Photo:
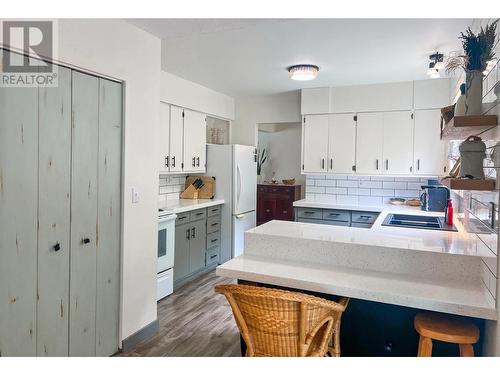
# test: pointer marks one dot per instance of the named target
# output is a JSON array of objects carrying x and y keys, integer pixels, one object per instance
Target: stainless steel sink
[{"x": 417, "y": 221}]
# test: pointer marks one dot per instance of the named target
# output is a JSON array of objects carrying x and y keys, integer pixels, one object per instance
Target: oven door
[{"x": 166, "y": 243}]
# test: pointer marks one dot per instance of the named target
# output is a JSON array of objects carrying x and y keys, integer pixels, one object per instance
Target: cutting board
[{"x": 207, "y": 191}]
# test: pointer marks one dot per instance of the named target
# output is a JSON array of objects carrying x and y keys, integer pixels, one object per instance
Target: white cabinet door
[
  {"x": 429, "y": 149},
  {"x": 315, "y": 143},
  {"x": 369, "y": 143},
  {"x": 164, "y": 138},
  {"x": 176, "y": 139},
  {"x": 341, "y": 143},
  {"x": 398, "y": 142},
  {"x": 195, "y": 130}
]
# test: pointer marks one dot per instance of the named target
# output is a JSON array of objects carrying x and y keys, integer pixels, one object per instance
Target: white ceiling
[{"x": 247, "y": 57}]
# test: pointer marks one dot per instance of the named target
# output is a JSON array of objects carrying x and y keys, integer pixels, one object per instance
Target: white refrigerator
[{"x": 235, "y": 170}]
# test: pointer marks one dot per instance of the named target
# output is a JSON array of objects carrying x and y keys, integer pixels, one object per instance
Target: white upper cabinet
[
  {"x": 164, "y": 138},
  {"x": 176, "y": 139},
  {"x": 429, "y": 149},
  {"x": 369, "y": 143},
  {"x": 195, "y": 150},
  {"x": 432, "y": 93},
  {"x": 370, "y": 98},
  {"x": 315, "y": 143},
  {"x": 314, "y": 101},
  {"x": 398, "y": 143},
  {"x": 341, "y": 143}
]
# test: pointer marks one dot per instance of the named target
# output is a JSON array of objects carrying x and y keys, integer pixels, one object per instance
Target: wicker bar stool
[
  {"x": 281, "y": 323},
  {"x": 447, "y": 328}
]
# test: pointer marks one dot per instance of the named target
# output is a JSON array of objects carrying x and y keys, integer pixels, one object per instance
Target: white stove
[{"x": 166, "y": 248}]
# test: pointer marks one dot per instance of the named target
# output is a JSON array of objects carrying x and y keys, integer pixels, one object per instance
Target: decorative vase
[{"x": 473, "y": 92}]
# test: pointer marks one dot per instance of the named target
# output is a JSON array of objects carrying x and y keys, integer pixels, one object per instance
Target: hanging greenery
[{"x": 478, "y": 49}]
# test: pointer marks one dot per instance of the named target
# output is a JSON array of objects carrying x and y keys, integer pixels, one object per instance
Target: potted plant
[
  {"x": 477, "y": 52},
  {"x": 260, "y": 162}
]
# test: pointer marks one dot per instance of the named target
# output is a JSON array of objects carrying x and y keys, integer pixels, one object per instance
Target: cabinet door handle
[
  {"x": 194, "y": 162},
  {"x": 57, "y": 246},
  {"x": 376, "y": 164},
  {"x": 197, "y": 161},
  {"x": 173, "y": 161},
  {"x": 166, "y": 161},
  {"x": 86, "y": 241},
  {"x": 418, "y": 164},
  {"x": 268, "y": 210},
  {"x": 386, "y": 164},
  {"x": 187, "y": 234},
  {"x": 331, "y": 163},
  {"x": 214, "y": 240},
  {"x": 322, "y": 163},
  {"x": 213, "y": 256},
  {"x": 193, "y": 232}
]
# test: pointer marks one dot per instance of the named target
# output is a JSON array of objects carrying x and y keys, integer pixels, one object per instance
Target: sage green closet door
[
  {"x": 84, "y": 159},
  {"x": 109, "y": 217},
  {"x": 54, "y": 171},
  {"x": 18, "y": 219}
]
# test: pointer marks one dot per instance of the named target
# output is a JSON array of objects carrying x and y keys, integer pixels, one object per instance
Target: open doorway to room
[{"x": 281, "y": 144}]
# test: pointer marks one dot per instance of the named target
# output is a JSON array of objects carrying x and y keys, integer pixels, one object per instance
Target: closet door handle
[
  {"x": 322, "y": 163},
  {"x": 198, "y": 162},
  {"x": 418, "y": 164},
  {"x": 187, "y": 234},
  {"x": 376, "y": 164},
  {"x": 193, "y": 233},
  {"x": 57, "y": 246},
  {"x": 194, "y": 161},
  {"x": 166, "y": 161},
  {"x": 331, "y": 163},
  {"x": 86, "y": 241},
  {"x": 386, "y": 164},
  {"x": 173, "y": 161}
]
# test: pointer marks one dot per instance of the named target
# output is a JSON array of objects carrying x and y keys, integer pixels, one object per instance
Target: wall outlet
[{"x": 135, "y": 196}]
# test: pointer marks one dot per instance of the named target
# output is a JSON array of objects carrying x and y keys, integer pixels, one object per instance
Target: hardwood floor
[{"x": 194, "y": 322}]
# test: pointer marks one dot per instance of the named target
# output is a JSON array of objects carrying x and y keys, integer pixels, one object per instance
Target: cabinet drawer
[
  {"x": 310, "y": 221},
  {"x": 212, "y": 256},
  {"x": 213, "y": 239},
  {"x": 337, "y": 215},
  {"x": 182, "y": 218},
  {"x": 198, "y": 214},
  {"x": 310, "y": 213},
  {"x": 214, "y": 211},
  {"x": 364, "y": 217},
  {"x": 361, "y": 225},
  {"x": 213, "y": 224}
]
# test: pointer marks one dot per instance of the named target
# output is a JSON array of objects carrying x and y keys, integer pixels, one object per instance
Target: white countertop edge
[
  {"x": 185, "y": 205},
  {"x": 256, "y": 274}
]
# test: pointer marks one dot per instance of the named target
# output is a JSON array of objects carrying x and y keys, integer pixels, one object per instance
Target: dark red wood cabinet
[{"x": 275, "y": 202}]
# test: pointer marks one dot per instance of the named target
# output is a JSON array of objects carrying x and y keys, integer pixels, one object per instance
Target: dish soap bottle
[{"x": 448, "y": 214}]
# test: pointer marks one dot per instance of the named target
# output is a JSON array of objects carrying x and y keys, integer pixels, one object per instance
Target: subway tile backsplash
[
  {"x": 369, "y": 190},
  {"x": 171, "y": 186}
]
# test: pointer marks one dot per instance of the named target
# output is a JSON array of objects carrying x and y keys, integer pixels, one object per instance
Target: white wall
[
  {"x": 282, "y": 155},
  {"x": 187, "y": 94},
  {"x": 250, "y": 111},
  {"x": 118, "y": 49}
]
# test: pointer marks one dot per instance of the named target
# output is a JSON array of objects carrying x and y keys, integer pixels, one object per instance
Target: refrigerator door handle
[{"x": 239, "y": 186}]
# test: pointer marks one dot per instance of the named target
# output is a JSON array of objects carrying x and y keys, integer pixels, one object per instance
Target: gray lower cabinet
[
  {"x": 197, "y": 243},
  {"x": 60, "y": 210},
  {"x": 344, "y": 218}
]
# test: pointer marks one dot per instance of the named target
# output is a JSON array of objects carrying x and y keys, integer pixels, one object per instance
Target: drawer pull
[
  {"x": 213, "y": 256},
  {"x": 268, "y": 210},
  {"x": 309, "y": 212},
  {"x": 214, "y": 224},
  {"x": 333, "y": 214},
  {"x": 285, "y": 212},
  {"x": 199, "y": 213},
  {"x": 215, "y": 210},
  {"x": 214, "y": 240},
  {"x": 182, "y": 218},
  {"x": 365, "y": 217}
]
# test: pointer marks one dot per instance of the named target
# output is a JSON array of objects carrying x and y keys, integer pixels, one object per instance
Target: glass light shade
[
  {"x": 303, "y": 72},
  {"x": 432, "y": 71},
  {"x": 435, "y": 74},
  {"x": 439, "y": 65}
]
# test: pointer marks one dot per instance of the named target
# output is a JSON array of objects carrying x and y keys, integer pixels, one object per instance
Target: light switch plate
[{"x": 135, "y": 196}]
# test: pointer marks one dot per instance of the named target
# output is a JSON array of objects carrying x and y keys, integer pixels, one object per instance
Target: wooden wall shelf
[
  {"x": 468, "y": 184},
  {"x": 461, "y": 127}
]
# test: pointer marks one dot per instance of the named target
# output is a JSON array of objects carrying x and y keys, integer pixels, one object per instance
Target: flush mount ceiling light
[
  {"x": 436, "y": 64},
  {"x": 303, "y": 72}
]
